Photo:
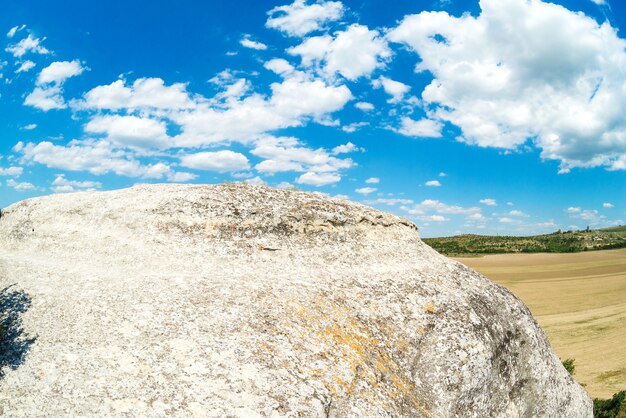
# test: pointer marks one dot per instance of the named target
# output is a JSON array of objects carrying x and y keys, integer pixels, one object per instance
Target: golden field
[{"x": 579, "y": 299}]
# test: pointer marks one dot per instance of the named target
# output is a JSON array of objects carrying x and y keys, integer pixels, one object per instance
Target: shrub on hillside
[{"x": 610, "y": 408}]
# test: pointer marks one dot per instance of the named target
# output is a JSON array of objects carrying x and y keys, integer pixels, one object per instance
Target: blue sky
[{"x": 491, "y": 117}]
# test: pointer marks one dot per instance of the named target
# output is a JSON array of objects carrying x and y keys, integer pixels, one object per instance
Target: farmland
[{"x": 580, "y": 302}]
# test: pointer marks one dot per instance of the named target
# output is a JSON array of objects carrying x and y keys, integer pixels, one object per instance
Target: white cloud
[
  {"x": 442, "y": 174},
  {"x": 366, "y": 190},
  {"x": 318, "y": 179},
  {"x": 436, "y": 206},
  {"x": 96, "y": 157},
  {"x": 49, "y": 91},
  {"x": 389, "y": 202},
  {"x": 298, "y": 18},
  {"x": 279, "y": 66},
  {"x": 20, "y": 186},
  {"x": 46, "y": 98},
  {"x": 346, "y": 148},
  {"x": 372, "y": 180},
  {"x": 145, "y": 94},
  {"x": 63, "y": 185},
  {"x": 599, "y": 2},
  {"x": 489, "y": 202},
  {"x": 256, "y": 181},
  {"x": 433, "y": 183},
  {"x": 364, "y": 106},
  {"x": 353, "y": 127},
  {"x": 11, "y": 171},
  {"x": 395, "y": 89},
  {"x": 249, "y": 43},
  {"x": 15, "y": 29},
  {"x": 353, "y": 53},
  {"x": 423, "y": 128},
  {"x": 476, "y": 217},
  {"x": 518, "y": 213},
  {"x": 526, "y": 70},
  {"x": 25, "y": 67},
  {"x": 131, "y": 131},
  {"x": 59, "y": 71},
  {"x": 287, "y": 154},
  {"x": 506, "y": 220},
  {"x": 26, "y": 45},
  {"x": 573, "y": 210},
  {"x": 221, "y": 161},
  {"x": 29, "y": 127},
  {"x": 434, "y": 218},
  {"x": 608, "y": 205}
]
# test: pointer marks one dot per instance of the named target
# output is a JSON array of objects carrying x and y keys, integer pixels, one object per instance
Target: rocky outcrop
[{"x": 240, "y": 300}]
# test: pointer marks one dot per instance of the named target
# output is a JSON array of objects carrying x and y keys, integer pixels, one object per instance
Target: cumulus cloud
[
  {"x": 525, "y": 70},
  {"x": 249, "y": 43},
  {"x": 279, "y": 66},
  {"x": 27, "y": 45},
  {"x": 95, "y": 157},
  {"x": 281, "y": 154},
  {"x": 25, "y": 67},
  {"x": 366, "y": 190},
  {"x": 131, "y": 131},
  {"x": 433, "y": 183},
  {"x": 318, "y": 179},
  {"x": 300, "y": 18},
  {"x": 389, "y": 202},
  {"x": 372, "y": 180},
  {"x": 364, "y": 106},
  {"x": 11, "y": 171},
  {"x": 63, "y": 185},
  {"x": 20, "y": 186},
  {"x": 220, "y": 161},
  {"x": 395, "y": 89},
  {"x": 346, "y": 148},
  {"x": 607, "y": 205},
  {"x": 144, "y": 93},
  {"x": 353, "y": 53},
  {"x": 46, "y": 98},
  {"x": 353, "y": 127},
  {"x": 48, "y": 94},
  {"x": 489, "y": 202},
  {"x": 436, "y": 206},
  {"x": 518, "y": 213},
  {"x": 59, "y": 71},
  {"x": 423, "y": 128}
]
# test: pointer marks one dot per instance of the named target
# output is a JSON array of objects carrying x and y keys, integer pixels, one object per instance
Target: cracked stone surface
[{"x": 241, "y": 301}]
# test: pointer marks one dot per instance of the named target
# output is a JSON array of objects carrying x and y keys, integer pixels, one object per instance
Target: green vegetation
[
  {"x": 610, "y": 408},
  {"x": 569, "y": 366},
  {"x": 557, "y": 242}
]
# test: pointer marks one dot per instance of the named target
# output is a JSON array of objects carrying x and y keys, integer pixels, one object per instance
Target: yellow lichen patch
[
  {"x": 362, "y": 349},
  {"x": 430, "y": 308}
]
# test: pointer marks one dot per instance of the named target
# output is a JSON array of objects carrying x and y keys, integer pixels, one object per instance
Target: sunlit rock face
[{"x": 241, "y": 300}]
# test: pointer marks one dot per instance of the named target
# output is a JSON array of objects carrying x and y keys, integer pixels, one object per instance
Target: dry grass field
[{"x": 580, "y": 301}]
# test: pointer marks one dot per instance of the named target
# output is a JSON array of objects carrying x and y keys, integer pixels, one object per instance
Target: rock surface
[{"x": 239, "y": 300}]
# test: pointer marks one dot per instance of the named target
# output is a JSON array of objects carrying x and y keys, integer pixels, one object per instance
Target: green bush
[
  {"x": 610, "y": 408},
  {"x": 569, "y": 365}
]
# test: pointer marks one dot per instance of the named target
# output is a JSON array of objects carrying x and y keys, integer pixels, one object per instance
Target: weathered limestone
[{"x": 240, "y": 300}]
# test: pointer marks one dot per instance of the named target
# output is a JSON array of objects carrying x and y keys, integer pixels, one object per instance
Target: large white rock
[{"x": 239, "y": 300}]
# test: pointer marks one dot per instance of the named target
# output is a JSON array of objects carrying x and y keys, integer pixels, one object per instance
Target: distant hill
[{"x": 557, "y": 242}]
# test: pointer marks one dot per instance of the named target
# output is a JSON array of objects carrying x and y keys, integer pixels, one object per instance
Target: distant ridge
[{"x": 557, "y": 242}]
